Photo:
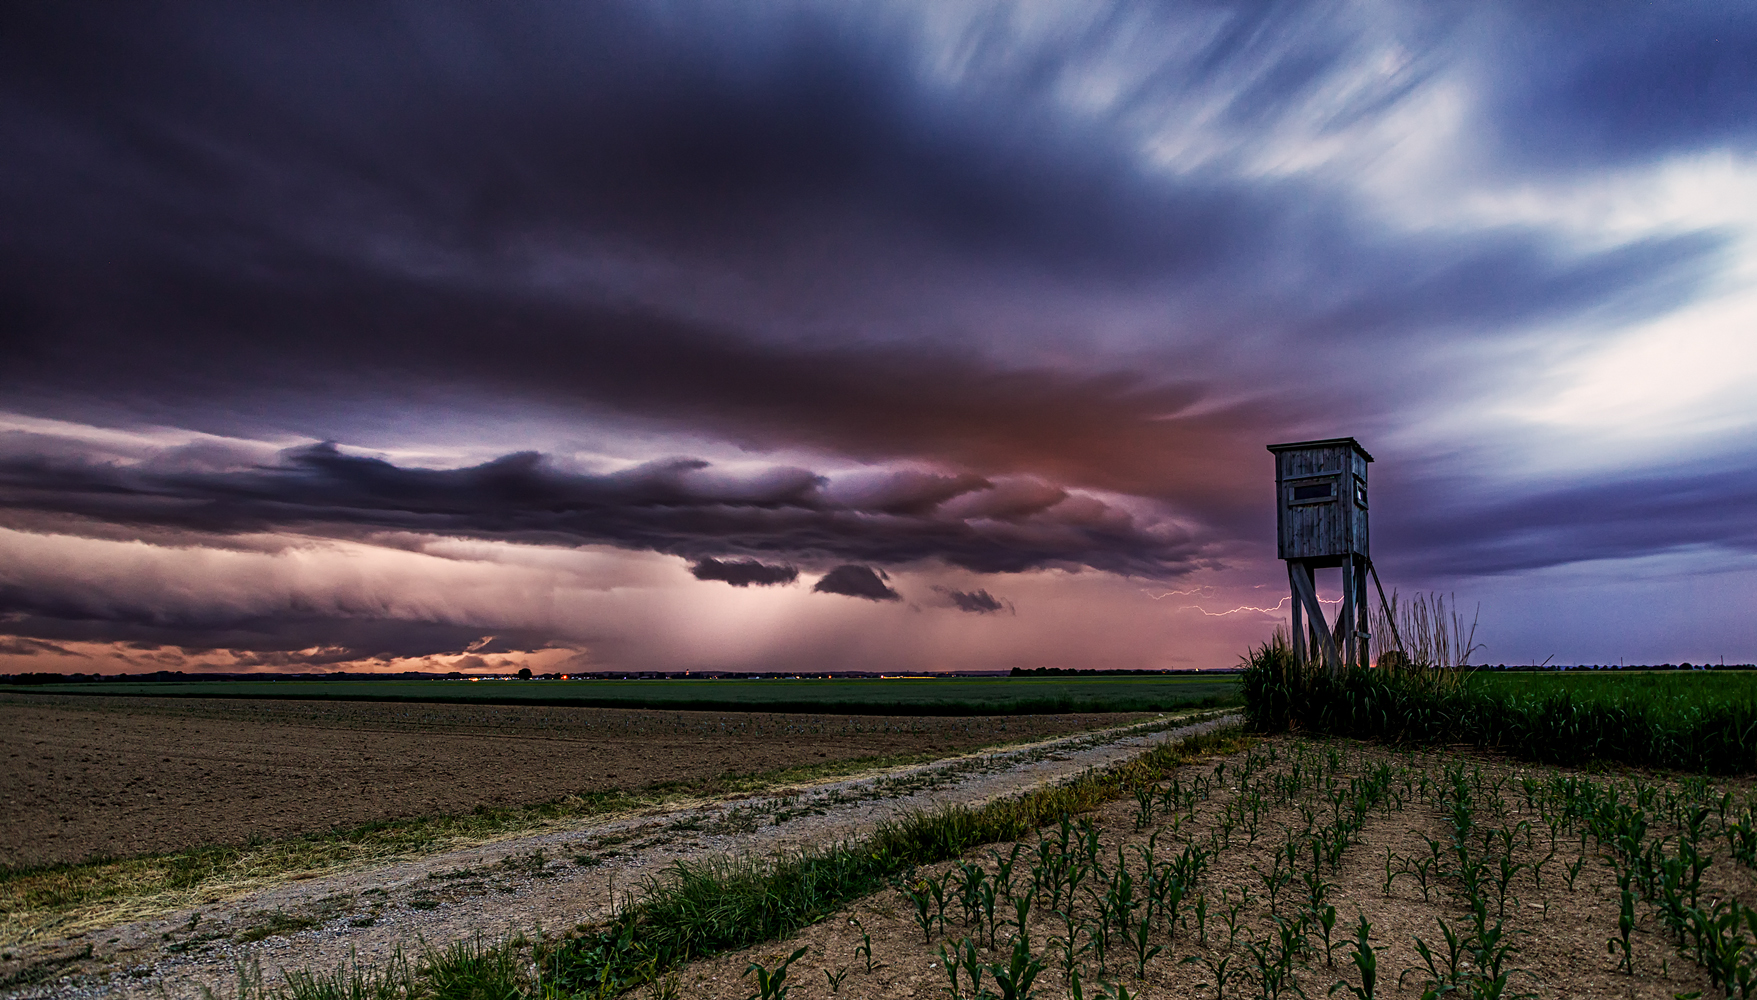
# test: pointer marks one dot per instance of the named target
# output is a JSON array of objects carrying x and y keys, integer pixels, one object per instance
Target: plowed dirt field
[{"x": 88, "y": 777}]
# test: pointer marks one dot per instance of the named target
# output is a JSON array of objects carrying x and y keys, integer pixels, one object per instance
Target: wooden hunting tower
[{"x": 1321, "y": 521}]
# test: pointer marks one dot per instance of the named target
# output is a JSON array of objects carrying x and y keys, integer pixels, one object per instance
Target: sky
[{"x": 896, "y": 336}]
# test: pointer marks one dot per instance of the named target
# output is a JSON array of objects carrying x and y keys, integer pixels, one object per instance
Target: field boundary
[{"x": 1126, "y": 697}]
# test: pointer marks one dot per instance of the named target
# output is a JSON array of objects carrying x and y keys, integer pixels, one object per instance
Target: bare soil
[
  {"x": 527, "y": 885},
  {"x": 1558, "y": 927},
  {"x": 118, "y": 777},
  {"x": 1559, "y": 908}
]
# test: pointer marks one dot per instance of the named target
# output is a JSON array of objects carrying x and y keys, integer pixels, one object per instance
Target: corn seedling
[
  {"x": 1503, "y": 878},
  {"x": 922, "y": 900},
  {"x": 1003, "y": 869},
  {"x": 970, "y": 879},
  {"x": 1440, "y": 980},
  {"x": 772, "y": 985},
  {"x": 1016, "y": 977},
  {"x": 1625, "y": 925},
  {"x": 1537, "y": 869},
  {"x": 1573, "y": 871},
  {"x": 1135, "y": 935},
  {"x": 835, "y": 978},
  {"x": 1068, "y": 952},
  {"x": 863, "y": 950},
  {"x": 1327, "y": 922},
  {"x": 973, "y": 968},
  {"x": 950, "y": 962},
  {"x": 985, "y": 900},
  {"x": 1145, "y": 802},
  {"x": 1365, "y": 960},
  {"x": 1219, "y": 969}
]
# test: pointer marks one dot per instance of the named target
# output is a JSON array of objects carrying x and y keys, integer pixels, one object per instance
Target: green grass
[
  {"x": 852, "y": 696},
  {"x": 1698, "y": 722},
  {"x": 1658, "y": 688}
]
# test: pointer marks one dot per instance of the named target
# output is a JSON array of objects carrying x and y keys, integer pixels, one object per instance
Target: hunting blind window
[{"x": 1315, "y": 492}]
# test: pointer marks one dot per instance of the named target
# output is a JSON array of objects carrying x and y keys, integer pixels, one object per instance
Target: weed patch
[{"x": 273, "y": 923}]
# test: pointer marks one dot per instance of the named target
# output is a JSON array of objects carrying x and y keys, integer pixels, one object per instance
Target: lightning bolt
[
  {"x": 1200, "y": 591},
  {"x": 1234, "y": 611}
]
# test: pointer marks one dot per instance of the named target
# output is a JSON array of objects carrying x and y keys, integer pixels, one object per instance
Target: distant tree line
[
  {"x": 1097, "y": 672},
  {"x": 179, "y": 675},
  {"x": 1616, "y": 666}
]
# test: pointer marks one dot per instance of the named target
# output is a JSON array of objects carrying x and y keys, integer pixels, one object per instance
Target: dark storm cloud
[
  {"x": 857, "y": 581},
  {"x": 612, "y": 120},
  {"x": 771, "y": 226},
  {"x": 680, "y": 507},
  {"x": 744, "y": 572},
  {"x": 244, "y": 206},
  {"x": 1127, "y": 432},
  {"x": 977, "y": 602}
]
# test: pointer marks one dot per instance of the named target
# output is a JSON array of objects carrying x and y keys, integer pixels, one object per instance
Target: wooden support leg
[
  {"x": 1345, "y": 619},
  {"x": 1299, "y": 626},
  {"x": 1362, "y": 610}
]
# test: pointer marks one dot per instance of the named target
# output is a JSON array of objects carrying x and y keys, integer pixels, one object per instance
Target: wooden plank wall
[{"x": 1321, "y": 530}]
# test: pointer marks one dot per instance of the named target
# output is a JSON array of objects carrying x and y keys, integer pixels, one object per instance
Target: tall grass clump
[
  {"x": 1413, "y": 696},
  {"x": 1282, "y": 693},
  {"x": 1422, "y": 632}
]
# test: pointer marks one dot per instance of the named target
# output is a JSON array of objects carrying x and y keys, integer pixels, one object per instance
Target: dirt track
[
  {"x": 89, "y": 777},
  {"x": 523, "y": 885}
]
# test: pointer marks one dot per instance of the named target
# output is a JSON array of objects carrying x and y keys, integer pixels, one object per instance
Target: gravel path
[{"x": 547, "y": 881}]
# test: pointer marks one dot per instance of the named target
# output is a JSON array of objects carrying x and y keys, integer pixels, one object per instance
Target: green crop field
[
  {"x": 1702, "y": 721},
  {"x": 1662, "y": 688},
  {"x": 864, "y": 696}
]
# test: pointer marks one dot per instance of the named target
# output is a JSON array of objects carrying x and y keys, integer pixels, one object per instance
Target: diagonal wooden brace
[
  {"x": 1302, "y": 585},
  {"x": 1390, "y": 616}
]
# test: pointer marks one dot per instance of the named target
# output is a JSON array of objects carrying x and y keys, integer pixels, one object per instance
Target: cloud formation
[
  {"x": 857, "y": 581},
  {"x": 891, "y": 285},
  {"x": 567, "y": 221},
  {"x": 680, "y": 507},
  {"x": 744, "y": 572},
  {"x": 976, "y": 602}
]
